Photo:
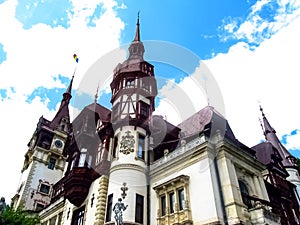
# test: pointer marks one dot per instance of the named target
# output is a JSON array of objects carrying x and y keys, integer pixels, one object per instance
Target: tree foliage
[{"x": 18, "y": 217}]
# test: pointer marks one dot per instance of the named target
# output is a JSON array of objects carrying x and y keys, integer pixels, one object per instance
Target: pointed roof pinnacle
[
  {"x": 266, "y": 125},
  {"x": 270, "y": 135},
  {"x": 63, "y": 111},
  {"x": 69, "y": 89},
  {"x": 96, "y": 95},
  {"x": 137, "y": 31}
]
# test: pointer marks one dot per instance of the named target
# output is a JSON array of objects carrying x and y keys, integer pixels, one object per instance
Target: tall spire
[
  {"x": 136, "y": 48},
  {"x": 62, "y": 115},
  {"x": 67, "y": 95},
  {"x": 137, "y": 31},
  {"x": 270, "y": 135}
]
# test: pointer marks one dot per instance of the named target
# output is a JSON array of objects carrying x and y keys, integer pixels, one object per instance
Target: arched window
[{"x": 245, "y": 194}]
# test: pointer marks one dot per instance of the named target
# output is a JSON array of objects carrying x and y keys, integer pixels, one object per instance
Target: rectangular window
[
  {"x": 172, "y": 202},
  {"x": 82, "y": 157},
  {"x": 51, "y": 163},
  {"x": 139, "y": 208},
  {"x": 44, "y": 188},
  {"x": 163, "y": 205},
  {"x": 109, "y": 208},
  {"x": 59, "y": 218},
  {"x": 145, "y": 85},
  {"x": 90, "y": 161},
  {"x": 141, "y": 147},
  {"x": 52, "y": 221},
  {"x": 144, "y": 109},
  {"x": 39, "y": 207},
  {"x": 130, "y": 82},
  {"x": 181, "y": 199},
  {"x": 114, "y": 153},
  {"x": 78, "y": 216}
]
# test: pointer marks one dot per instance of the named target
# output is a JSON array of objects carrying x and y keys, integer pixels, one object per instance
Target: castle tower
[
  {"x": 288, "y": 161},
  {"x": 133, "y": 92},
  {"x": 44, "y": 160}
]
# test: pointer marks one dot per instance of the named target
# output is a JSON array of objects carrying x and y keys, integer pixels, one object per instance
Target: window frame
[
  {"x": 130, "y": 82},
  {"x": 109, "y": 204},
  {"x": 181, "y": 199},
  {"x": 115, "y": 147},
  {"x": 244, "y": 190},
  {"x": 82, "y": 157},
  {"x": 141, "y": 147},
  {"x": 42, "y": 186},
  {"x": 168, "y": 205},
  {"x": 51, "y": 165},
  {"x": 172, "y": 201},
  {"x": 139, "y": 208},
  {"x": 39, "y": 206},
  {"x": 163, "y": 205},
  {"x": 78, "y": 216}
]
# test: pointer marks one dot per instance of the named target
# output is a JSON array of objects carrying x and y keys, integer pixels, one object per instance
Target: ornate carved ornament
[{"x": 127, "y": 143}]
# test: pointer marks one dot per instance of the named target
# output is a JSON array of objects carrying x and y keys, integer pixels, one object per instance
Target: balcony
[
  {"x": 57, "y": 190},
  {"x": 77, "y": 184}
]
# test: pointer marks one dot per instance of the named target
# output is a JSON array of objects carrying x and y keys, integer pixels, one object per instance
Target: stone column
[
  {"x": 101, "y": 201},
  {"x": 257, "y": 186}
]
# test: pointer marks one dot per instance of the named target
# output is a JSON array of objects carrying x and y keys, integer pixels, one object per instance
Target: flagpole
[{"x": 76, "y": 60}]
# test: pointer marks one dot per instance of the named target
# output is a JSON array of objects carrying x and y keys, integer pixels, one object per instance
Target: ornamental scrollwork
[{"x": 127, "y": 143}]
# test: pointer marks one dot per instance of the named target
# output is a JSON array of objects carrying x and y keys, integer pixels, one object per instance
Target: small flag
[{"x": 75, "y": 58}]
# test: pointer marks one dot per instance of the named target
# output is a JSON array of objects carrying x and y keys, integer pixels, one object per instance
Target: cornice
[{"x": 127, "y": 166}]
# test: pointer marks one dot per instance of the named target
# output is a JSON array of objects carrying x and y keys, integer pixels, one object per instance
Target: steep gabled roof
[{"x": 207, "y": 119}]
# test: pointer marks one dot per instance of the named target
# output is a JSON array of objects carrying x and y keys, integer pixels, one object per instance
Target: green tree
[{"x": 18, "y": 217}]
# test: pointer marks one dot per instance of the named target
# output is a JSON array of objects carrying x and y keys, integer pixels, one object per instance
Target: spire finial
[
  {"x": 137, "y": 31},
  {"x": 262, "y": 111},
  {"x": 262, "y": 127},
  {"x": 96, "y": 95}
]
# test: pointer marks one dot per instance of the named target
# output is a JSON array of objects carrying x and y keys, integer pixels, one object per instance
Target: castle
[{"x": 126, "y": 166}]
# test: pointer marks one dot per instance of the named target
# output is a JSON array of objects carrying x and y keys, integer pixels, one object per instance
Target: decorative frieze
[{"x": 178, "y": 152}]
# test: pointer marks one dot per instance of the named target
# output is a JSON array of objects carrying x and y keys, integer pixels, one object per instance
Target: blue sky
[{"x": 250, "y": 47}]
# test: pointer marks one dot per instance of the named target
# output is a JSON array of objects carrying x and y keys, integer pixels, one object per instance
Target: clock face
[{"x": 58, "y": 143}]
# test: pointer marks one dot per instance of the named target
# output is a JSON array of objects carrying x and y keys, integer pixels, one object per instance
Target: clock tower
[
  {"x": 133, "y": 92},
  {"x": 45, "y": 158}
]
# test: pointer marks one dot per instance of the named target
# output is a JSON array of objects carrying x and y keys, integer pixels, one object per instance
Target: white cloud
[
  {"x": 34, "y": 57},
  {"x": 292, "y": 141},
  {"x": 268, "y": 75},
  {"x": 260, "y": 25}
]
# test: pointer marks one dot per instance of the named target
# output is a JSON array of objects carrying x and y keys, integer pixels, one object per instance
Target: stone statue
[
  {"x": 2, "y": 204},
  {"x": 119, "y": 207}
]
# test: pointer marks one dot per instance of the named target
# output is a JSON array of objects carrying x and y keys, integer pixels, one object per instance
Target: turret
[
  {"x": 133, "y": 92},
  {"x": 45, "y": 158}
]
